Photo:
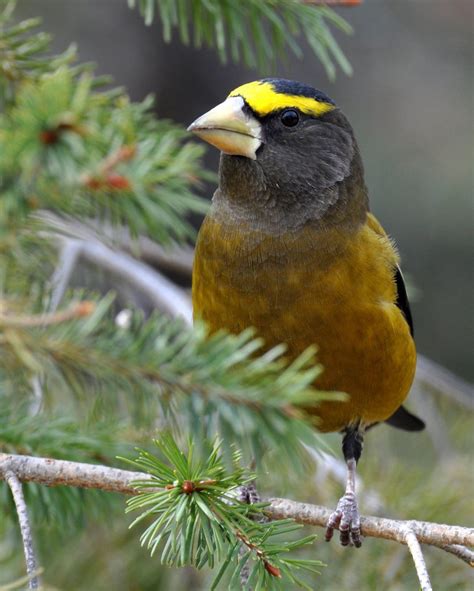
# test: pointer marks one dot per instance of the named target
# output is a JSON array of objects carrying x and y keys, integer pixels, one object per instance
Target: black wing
[
  {"x": 401, "y": 418},
  {"x": 402, "y": 299}
]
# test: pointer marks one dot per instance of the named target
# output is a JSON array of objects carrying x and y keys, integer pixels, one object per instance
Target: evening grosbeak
[{"x": 290, "y": 247}]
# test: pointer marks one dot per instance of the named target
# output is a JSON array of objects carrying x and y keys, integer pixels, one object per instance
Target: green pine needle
[
  {"x": 196, "y": 518},
  {"x": 23, "y": 53},
  {"x": 112, "y": 158},
  {"x": 256, "y": 32},
  {"x": 254, "y": 398}
]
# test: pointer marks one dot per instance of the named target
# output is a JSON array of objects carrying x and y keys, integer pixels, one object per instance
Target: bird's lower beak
[{"x": 230, "y": 129}]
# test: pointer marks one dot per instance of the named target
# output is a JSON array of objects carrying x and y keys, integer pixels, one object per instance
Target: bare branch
[
  {"x": 460, "y": 552},
  {"x": 63, "y": 272},
  {"x": 435, "y": 534},
  {"x": 85, "y": 241},
  {"x": 31, "y": 563},
  {"x": 177, "y": 259},
  {"x": 163, "y": 293},
  {"x": 52, "y": 472},
  {"x": 415, "y": 550},
  {"x": 174, "y": 258}
]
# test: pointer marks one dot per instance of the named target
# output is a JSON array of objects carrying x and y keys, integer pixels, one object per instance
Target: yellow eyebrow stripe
[{"x": 262, "y": 99}]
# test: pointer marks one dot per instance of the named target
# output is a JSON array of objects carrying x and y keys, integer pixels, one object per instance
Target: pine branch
[
  {"x": 256, "y": 32},
  {"x": 111, "y": 157},
  {"x": 254, "y": 398},
  {"x": 201, "y": 523},
  {"x": 52, "y": 472},
  {"x": 23, "y": 53},
  {"x": 199, "y": 518},
  {"x": 88, "y": 440},
  {"x": 48, "y": 434},
  {"x": 429, "y": 374}
]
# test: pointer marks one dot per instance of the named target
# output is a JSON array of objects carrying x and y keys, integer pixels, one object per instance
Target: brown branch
[
  {"x": 52, "y": 472},
  {"x": 272, "y": 570},
  {"x": 30, "y": 558},
  {"x": 76, "y": 311},
  {"x": 123, "y": 154},
  {"x": 107, "y": 178}
]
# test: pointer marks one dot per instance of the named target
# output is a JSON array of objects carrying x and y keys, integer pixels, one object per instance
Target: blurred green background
[{"x": 409, "y": 100}]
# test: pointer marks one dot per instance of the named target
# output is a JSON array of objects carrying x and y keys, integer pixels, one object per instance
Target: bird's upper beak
[{"x": 230, "y": 129}]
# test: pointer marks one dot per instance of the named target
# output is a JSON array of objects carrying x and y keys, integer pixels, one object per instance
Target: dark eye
[{"x": 289, "y": 117}]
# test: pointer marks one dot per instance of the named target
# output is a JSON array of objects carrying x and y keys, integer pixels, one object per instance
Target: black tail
[{"x": 402, "y": 419}]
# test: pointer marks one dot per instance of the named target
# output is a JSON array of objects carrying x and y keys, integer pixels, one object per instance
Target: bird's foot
[
  {"x": 346, "y": 518},
  {"x": 249, "y": 494}
]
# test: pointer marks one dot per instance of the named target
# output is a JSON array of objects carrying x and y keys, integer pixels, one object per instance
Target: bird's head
[{"x": 284, "y": 145}]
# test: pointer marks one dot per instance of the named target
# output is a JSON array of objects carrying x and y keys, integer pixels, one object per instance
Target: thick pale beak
[{"x": 230, "y": 129}]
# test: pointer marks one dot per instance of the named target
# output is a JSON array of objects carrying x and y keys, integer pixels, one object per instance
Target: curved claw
[
  {"x": 333, "y": 523},
  {"x": 345, "y": 518}
]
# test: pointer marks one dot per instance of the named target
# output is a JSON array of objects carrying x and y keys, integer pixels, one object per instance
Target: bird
[{"x": 290, "y": 247}]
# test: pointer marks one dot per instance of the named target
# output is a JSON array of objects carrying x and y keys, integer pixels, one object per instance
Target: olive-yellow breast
[{"x": 294, "y": 291}]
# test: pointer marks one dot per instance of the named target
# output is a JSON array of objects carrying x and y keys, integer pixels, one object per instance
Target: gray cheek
[{"x": 314, "y": 165}]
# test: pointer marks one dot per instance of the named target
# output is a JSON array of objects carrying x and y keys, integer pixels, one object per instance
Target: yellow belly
[{"x": 332, "y": 289}]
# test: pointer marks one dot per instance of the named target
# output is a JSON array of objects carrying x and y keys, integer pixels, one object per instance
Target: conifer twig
[
  {"x": 51, "y": 472},
  {"x": 122, "y": 154},
  {"x": 30, "y": 558},
  {"x": 78, "y": 310},
  {"x": 272, "y": 570}
]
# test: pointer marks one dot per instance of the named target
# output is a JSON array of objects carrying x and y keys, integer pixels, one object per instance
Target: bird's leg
[{"x": 346, "y": 516}]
